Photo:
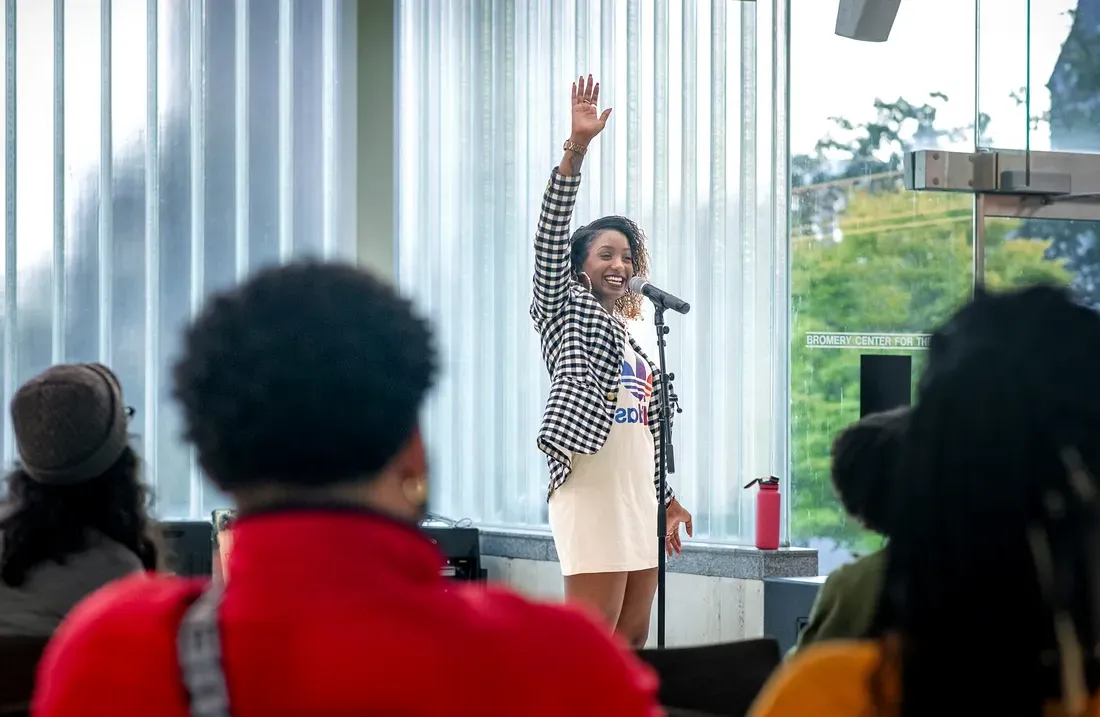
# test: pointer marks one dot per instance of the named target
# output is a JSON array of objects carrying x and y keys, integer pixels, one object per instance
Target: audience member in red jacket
[{"x": 300, "y": 391}]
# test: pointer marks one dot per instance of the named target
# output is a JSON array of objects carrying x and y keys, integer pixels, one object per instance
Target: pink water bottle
[{"x": 767, "y": 512}]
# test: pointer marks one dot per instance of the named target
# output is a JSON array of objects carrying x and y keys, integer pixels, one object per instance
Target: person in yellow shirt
[
  {"x": 865, "y": 465},
  {"x": 991, "y": 598}
]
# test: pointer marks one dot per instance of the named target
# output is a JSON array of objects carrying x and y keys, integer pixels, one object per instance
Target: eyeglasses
[{"x": 130, "y": 411}]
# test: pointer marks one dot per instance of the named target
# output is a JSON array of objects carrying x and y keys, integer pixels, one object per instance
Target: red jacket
[{"x": 340, "y": 613}]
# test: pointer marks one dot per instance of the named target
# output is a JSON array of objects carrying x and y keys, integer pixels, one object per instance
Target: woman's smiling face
[{"x": 609, "y": 265}]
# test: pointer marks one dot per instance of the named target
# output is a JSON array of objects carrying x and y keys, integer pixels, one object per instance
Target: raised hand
[{"x": 587, "y": 122}]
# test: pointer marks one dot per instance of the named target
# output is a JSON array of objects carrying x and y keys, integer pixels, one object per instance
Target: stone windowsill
[{"x": 723, "y": 561}]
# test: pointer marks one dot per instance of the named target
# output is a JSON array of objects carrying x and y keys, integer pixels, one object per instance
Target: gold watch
[{"x": 571, "y": 146}]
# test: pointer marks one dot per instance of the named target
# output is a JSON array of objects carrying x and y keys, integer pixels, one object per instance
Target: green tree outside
[{"x": 902, "y": 264}]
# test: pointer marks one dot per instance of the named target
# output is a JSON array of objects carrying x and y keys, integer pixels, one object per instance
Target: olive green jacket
[{"x": 846, "y": 603}]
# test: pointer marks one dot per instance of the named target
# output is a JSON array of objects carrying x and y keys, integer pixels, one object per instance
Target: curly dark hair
[
  {"x": 866, "y": 459},
  {"x": 1010, "y": 390},
  {"x": 628, "y": 306},
  {"x": 52, "y": 522},
  {"x": 309, "y": 374}
]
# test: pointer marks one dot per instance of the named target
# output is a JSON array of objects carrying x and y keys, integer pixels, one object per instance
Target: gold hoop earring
[
  {"x": 415, "y": 490},
  {"x": 587, "y": 280}
]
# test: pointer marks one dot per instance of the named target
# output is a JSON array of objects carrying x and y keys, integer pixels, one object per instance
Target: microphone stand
[{"x": 666, "y": 463}]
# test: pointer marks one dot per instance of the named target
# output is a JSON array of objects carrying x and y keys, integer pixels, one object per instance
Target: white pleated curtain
[
  {"x": 158, "y": 150},
  {"x": 694, "y": 151}
]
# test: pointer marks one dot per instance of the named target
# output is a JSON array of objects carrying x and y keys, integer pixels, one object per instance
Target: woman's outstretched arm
[
  {"x": 552, "y": 265},
  {"x": 553, "y": 272}
]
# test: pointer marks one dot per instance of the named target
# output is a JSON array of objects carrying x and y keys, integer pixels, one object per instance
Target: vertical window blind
[{"x": 155, "y": 151}]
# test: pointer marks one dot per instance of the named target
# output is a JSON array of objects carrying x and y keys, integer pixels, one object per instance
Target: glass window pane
[
  {"x": 1023, "y": 46},
  {"x": 873, "y": 267},
  {"x": 1056, "y": 71}
]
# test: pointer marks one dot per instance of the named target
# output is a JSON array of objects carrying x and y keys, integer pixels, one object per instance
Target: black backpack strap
[{"x": 200, "y": 657}]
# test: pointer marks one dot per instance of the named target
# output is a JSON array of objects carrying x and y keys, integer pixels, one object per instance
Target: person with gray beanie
[{"x": 76, "y": 513}]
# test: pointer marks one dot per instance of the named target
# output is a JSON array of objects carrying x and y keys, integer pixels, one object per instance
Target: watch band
[{"x": 571, "y": 146}]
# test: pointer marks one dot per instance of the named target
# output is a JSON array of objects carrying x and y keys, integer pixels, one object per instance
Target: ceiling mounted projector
[{"x": 866, "y": 20}]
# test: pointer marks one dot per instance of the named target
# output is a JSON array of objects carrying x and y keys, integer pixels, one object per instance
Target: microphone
[{"x": 660, "y": 297}]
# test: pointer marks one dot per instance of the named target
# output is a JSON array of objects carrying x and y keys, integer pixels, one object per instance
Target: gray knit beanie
[{"x": 69, "y": 423}]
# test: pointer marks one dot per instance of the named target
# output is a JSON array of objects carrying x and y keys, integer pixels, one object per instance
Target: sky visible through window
[{"x": 897, "y": 68}]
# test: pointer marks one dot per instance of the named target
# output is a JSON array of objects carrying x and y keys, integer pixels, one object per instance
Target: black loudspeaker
[{"x": 885, "y": 382}]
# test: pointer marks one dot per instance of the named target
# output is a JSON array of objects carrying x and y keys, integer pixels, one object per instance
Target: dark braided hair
[
  {"x": 48, "y": 523},
  {"x": 628, "y": 306},
  {"x": 866, "y": 458},
  {"x": 1010, "y": 386}
]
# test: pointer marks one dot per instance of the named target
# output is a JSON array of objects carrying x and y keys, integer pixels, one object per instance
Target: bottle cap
[{"x": 766, "y": 482}]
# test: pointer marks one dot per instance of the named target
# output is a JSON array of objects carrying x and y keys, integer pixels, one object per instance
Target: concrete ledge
[{"x": 722, "y": 561}]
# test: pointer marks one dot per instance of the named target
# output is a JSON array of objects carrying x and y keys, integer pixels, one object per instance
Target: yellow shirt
[{"x": 831, "y": 680}]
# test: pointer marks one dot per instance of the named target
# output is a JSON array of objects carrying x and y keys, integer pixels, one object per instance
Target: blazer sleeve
[
  {"x": 655, "y": 429},
  {"x": 552, "y": 264}
]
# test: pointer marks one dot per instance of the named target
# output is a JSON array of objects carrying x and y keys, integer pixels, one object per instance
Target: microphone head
[{"x": 636, "y": 284}]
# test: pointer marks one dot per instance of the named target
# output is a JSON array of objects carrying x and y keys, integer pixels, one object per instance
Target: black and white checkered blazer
[{"x": 582, "y": 346}]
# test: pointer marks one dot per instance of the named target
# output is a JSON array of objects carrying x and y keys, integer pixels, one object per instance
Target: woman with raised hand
[{"x": 600, "y": 430}]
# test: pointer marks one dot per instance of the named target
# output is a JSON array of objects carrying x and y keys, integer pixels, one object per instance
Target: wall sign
[{"x": 882, "y": 342}]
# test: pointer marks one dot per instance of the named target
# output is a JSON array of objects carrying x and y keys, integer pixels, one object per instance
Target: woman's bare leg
[
  {"x": 637, "y": 607},
  {"x": 601, "y": 592}
]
